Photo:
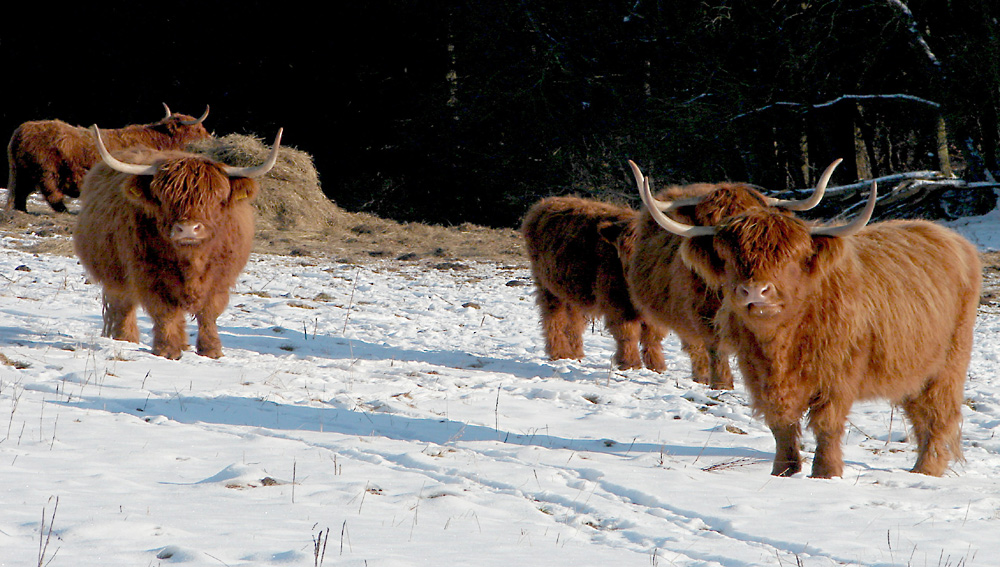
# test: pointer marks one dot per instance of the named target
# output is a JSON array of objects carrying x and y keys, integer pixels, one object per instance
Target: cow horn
[
  {"x": 167, "y": 108},
  {"x": 663, "y": 220},
  {"x": 667, "y": 206},
  {"x": 814, "y": 199},
  {"x": 204, "y": 115},
  {"x": 115, "y": 164},
  {"x": 258, "y": 170},
  {"x": 855, "y": 225}
]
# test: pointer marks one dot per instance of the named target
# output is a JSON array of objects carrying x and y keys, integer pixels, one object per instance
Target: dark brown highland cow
[
  {"x": 823, "y": 316},
  {"x": 169, "y": 231},
  {"x": 52, "y": 156},
  {"x": 577, "y": 249},
  {"x": 671, "y": 295}
]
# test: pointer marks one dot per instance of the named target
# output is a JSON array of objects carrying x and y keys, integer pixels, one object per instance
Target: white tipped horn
[
  {"x": 814, "y": 199},
  {"x": 115, "y": 164},
  {"x": 167, "y": 108},
  {"x": 669, "y": 224},
  {"x": 258, "y": 170},
  {"x": 855, "y": 225}
]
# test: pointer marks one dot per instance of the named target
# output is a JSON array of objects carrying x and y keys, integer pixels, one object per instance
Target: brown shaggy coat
[
  {"x": 53, "y": 156},
  {"x": 886, "y": 313},
  {"x": 670, "y": 294},
  {"x": 124, "y": 240},
  {"x": 577, "y": 249}
]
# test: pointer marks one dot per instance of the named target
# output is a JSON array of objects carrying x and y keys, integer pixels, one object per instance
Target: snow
[{"x": 394, "y": 414}]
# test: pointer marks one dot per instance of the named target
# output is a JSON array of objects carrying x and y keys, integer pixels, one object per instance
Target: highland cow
[
  {"x": 821, "y": 316},
  {"x": 671, "y": 295},
  {"x": 53, "y": 156},
  {"x": 578, "y": 249},
  {"x": 169, "y": 231}
]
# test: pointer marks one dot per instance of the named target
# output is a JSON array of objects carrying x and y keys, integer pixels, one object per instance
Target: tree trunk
[
  {"x": 862, "y": 164},
  {"x": 944, "y": 160}
]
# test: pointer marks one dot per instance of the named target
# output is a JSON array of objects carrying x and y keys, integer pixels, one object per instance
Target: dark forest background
[{"x": 450, "y": 111}]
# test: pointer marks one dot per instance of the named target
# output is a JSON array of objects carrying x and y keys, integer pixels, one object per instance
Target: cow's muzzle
[
  {"x": 759, "y": 298},
  {"x": 188, "y": 232}
]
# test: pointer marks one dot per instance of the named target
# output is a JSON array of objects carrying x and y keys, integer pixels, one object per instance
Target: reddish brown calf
[{"x": 578, "y": 249}]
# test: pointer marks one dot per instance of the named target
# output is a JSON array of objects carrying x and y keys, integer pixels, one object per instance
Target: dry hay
[{"x": 290, "y": 196}]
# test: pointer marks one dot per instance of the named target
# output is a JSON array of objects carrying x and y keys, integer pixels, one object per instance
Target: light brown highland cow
[
  {"x": 169, "y": 231},
  {"x": 51, "y": 156},
  {"x": 822, "y": 316},
  {"x": 577, "y": 249}
]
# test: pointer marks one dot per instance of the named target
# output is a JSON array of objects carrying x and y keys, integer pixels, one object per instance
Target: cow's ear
[
  {"x": 611, "y": 230},
  {"x": 619, "y": 234},
  {"x": 699, "y": 254},
  {"x": 241, "y": 188},
  {"x": 828, "y": 252},
  {"x": 136, "y": 190}
]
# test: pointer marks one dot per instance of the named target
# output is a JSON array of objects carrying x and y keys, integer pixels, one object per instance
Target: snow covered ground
[{"x": 397, "y": 414}]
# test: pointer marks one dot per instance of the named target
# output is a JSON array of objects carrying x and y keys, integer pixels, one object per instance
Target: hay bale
[{"x": 290, "y": 197}]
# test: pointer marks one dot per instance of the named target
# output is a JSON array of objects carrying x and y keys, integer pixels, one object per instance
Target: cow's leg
[
  {"x": 827, "y": 423},
  {"x": 563, "y": 328},
  {"x": 936, "y": 417},
  {"x": 169, "y": 330},
  {"x": 119, "y": 317},
  {"x": 787, "y": 460},
  {"x": 208, "y": 343},
  {"x": 651, "y": 337},
  {"x": 576, "y": 325},
  {"x": 17, "y": 193},
  {"x": 936, "y": 413},
  {"x": 701, "y": 366},
  {"x": 626, "y": 334},
  {"x": 721, "y": 377},
  {"x": 51, "y": 190}
]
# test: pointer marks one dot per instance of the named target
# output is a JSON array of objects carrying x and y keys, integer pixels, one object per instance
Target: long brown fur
[
  {"x": 52, "y": 156},
  {"x": 669, "y": 293},
  {"x": 122, "y": 238},
  {"x": 578, "y": 249},
  {"x": 887, "y": 313}
]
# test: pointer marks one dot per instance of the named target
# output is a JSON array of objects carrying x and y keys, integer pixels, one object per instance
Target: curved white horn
[
  {"x": 667, "y": 206},
  {"x": 814, "y": 199},
  {"x": 258, "y": 170},
  {"x": 115, "y": 164},
  {"x": 204, "y": 115},
  {"x": 678, "y": 228},
  {"x": 167, "y": 108},
  {"x": 855, "y": 225}
]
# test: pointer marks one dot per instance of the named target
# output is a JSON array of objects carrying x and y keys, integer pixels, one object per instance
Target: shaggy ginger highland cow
[
  {"x": 52, "y": 156},
  {"x": 170, "y": 231},
  {"x": 578, "y": 249},
  {"x": 822, "y": 316},
  {"x": 671, "y": 295}
]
